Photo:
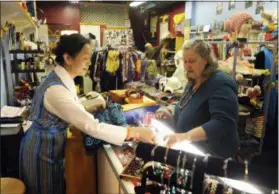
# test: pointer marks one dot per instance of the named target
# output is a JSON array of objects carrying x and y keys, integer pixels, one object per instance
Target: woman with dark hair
[{"x": 55, "y": 105}]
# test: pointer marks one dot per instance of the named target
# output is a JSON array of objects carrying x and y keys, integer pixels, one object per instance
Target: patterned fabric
[
  {"x": 42, "y": 148},
  {"x": 111, "y": 115}
]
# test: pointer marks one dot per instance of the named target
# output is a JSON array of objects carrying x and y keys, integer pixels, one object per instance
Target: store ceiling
[{"x": 157, "y": 5}]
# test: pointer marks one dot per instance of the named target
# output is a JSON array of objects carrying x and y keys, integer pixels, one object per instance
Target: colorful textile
[
  {"x": 112, "y": 61},
  {"x": 111, "y": 115},
  {"x": 179, "y": 18}
]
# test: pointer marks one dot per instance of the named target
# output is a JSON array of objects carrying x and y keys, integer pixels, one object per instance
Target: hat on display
[{"x": 237, "y": 19}]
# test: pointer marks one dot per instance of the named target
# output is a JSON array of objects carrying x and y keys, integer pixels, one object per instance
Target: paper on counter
[{"x": 11, "y": 111}]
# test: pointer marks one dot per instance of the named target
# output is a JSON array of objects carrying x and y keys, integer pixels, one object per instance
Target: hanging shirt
[
  {"x": 65, "y": 104},
  {"x": 112, "y": 62}
]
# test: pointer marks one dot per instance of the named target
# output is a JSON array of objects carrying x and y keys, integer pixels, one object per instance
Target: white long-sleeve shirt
[{"x": 64, "y": 103}]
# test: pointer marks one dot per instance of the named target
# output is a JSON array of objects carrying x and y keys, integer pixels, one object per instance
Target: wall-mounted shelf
[
  {"x": 26, "y": 51},
  {"x": 29, "y": 71},
  {"x": 13, "y": 11}
]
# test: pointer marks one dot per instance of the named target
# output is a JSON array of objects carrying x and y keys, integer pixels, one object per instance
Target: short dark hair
[
  {"x": 92, "y": 36},
  {"x": 70, "y": 44}
]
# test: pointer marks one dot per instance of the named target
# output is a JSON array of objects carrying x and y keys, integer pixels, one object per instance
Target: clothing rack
[{"x": 257, "y": 174}]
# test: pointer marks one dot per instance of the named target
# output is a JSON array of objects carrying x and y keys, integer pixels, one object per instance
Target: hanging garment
[
  {"x": 131, "y": 67},
  {"x": 138, "y": 70},
  {"x": 151, "y": 72},
  {"x": 112, "y": 61},
  {"x": 178, "y": 22},
  {"x": 164, "y": 18},
  {"x": 153, "y": 25},
  {"x": 179, "y": 18},
  {"x": 43, "y": 146},
  {"x": 110, "y": 81},
  {"x": 273, "y": 95},
  {"x": 143, "y": 70},
  {"x": 113, "y": 114}
]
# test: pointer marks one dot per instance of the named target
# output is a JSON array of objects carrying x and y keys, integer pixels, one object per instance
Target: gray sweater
[{"x": 214, "y": 107}]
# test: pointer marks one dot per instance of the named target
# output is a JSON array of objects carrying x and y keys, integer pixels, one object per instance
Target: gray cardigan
[{"x": 214, "y": 107}]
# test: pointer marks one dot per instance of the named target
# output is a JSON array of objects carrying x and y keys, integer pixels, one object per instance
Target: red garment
[{"x": 215, "y": 50}]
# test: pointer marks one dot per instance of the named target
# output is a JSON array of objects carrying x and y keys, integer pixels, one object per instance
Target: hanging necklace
[{"x": 190, "y": 90}]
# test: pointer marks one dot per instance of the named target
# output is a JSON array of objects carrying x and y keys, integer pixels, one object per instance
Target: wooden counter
[{"x": 80, "y": 171}]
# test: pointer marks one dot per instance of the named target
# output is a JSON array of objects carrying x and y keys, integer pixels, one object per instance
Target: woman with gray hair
[{"x": 207, "y": 113}]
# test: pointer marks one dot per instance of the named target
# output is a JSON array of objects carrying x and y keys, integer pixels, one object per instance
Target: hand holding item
[
  {"x": 140, "y": 134},
  {"x": 162, "y": 115},
  {"x": 176, "y": 138}
]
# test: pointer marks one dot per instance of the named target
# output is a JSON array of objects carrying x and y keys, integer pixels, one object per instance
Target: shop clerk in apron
[{"x": 55, "y": 106}]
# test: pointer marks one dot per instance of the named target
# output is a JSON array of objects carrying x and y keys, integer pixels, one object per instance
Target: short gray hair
[{"x": 202, "y": 48}]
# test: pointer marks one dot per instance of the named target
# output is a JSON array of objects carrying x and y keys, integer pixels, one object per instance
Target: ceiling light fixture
[{"x": 136, "y": 3}]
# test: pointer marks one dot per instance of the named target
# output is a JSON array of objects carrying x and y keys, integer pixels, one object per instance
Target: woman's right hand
[
  {"x": 162, "y": 115},
  {"x": 141, "y": 134}
]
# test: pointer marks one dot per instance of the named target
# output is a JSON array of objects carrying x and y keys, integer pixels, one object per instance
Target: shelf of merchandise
[{"x": 13, "y": 11}]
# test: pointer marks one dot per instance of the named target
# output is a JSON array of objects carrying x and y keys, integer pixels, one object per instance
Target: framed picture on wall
[
  {"x": 219, "y": 8},
  {"x": 231, "y": 4},
  {"x": 248, "y": 4},
  {"x": 259, "y": 7}
]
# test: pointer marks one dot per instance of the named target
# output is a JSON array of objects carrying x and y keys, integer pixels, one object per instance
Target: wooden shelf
[
  {"x": 13, "y": 11},
  {"x": 26, "y": 51},
  {"x": 29, "y": 71}
]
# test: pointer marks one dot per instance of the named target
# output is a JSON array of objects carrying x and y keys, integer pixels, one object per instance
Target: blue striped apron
[{"x": 42, "y": 147}]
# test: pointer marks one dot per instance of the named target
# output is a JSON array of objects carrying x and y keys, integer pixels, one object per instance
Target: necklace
[{"x": 193, "y": 91}]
